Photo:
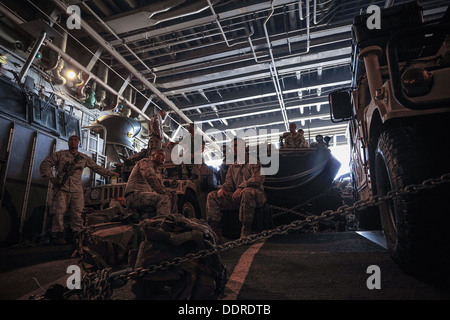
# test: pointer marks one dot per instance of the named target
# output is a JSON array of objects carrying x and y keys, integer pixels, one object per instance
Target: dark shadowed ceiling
[{"x": 225, "y": 64}]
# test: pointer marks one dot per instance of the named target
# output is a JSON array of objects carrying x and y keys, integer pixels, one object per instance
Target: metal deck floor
[{"x": 316, "y": 266}]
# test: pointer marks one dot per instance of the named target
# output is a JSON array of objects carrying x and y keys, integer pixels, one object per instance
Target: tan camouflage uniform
[
  {"x": 291, "y": 139},
  {"x": 156, "y": 133},
  {"x": 145, "y": 189},
  {"x": 70, "y": 195},
  {"x": 247, "y": 177},
  {"x": 303, "y": 142}
]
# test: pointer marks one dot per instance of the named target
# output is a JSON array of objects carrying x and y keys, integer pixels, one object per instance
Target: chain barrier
[{"x": 97, "y": 285}]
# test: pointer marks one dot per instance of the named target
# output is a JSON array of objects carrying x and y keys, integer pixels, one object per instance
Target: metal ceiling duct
[{"x": 121, "y": 130}]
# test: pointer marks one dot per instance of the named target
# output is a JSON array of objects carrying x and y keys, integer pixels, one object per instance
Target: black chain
[{"x": 92, "y": 286}]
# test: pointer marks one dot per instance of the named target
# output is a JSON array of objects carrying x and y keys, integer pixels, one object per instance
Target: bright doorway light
[{"x": 342, "y": 154}]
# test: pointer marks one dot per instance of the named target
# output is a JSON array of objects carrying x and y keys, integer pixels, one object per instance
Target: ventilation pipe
[
  {"x": 60, "y": 42},
  {"x": 100, "y": 95},
  {"x": 113, "y": 103},
  {"x": 81, "y": 89},
  {"x": 56, "y": 64},
  {"x": 58, "y": 79},
  {"x": 125, "y": 111}
]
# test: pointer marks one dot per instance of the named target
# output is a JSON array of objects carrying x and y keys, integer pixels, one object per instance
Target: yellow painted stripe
[{"x": 237, "y": 278}]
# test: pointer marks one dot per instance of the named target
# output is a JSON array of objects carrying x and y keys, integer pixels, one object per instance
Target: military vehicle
[{"x": 397, "y": 109}]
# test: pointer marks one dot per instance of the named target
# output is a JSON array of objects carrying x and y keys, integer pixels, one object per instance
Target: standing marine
[
  {"x": 156, "y": 132},
  {"x": 67, "y": 186}
]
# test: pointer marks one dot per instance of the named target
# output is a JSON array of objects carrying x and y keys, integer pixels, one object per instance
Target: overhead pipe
[
  {"x": 81, "y": 89},
  {"x": 100, "y": 95},
  {"x": 216, "y": 17},
  {"x": 17, "y": 20},
  {"x": 150, "y": 10},
  {"x": 308, "y": 36},
  {"x": 232, "y": 13},
  {"x": 58, "y": 79},
  {"x": 308, "y": 30},
  {"x": 114, "y": 103},
  {"x": 315, "y": 10},
  {"x": 56, "y": 64},
  {"x": 265, "y": 111},
  {"x": 330, "y": 13},
  {"x": 56, "y": 70},
  {"x": 118, "y": 38},
  {"x": 146, "y": 48},
  {"x": 274, "y": 72},
  {"x": 189, "y": 10},
  {"x": 388, "y": 3},
  {"x": 152, "y": 15},
  {"x": 94, "y": 78},
  {"x": 97, "y": 38},
  {"x": 249, "y": 40}
]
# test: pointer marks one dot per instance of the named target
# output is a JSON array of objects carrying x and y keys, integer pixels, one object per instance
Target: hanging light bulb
[{"x": 70, "y": 74}]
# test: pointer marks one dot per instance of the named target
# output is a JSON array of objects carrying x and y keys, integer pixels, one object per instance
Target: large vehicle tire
[{"x": 416, "y": 225}]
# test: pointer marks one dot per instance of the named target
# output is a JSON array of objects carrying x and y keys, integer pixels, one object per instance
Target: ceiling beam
[
  {"x": 253, "y": 72},
  {"x": 177, "y": 26},
  {"x": 97, "y": 38}
]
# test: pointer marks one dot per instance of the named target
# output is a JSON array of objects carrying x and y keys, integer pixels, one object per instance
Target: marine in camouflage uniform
[
  {"x": 303, "y": 142},
  {"x": 156, "y": 133},
  {"x": 319, "y": 143},
  {"x": 243, "y": 189},
  {"x": 68, "y": 189},
  {"x": 292, "y": 139},
  {"x": 145, "y": 188}
]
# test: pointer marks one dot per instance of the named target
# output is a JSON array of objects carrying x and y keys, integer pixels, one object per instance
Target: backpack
[
  {"x": 94, "y": 217},
  {"x": 107, "y": 245},
  {"x": 123, "y": 244},
  {"x": 167, "y": 237}
]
